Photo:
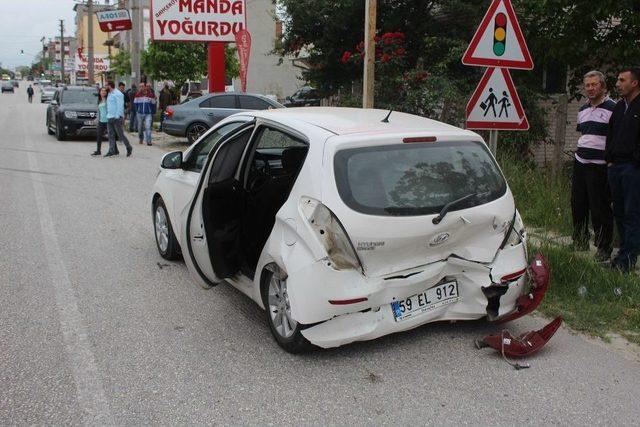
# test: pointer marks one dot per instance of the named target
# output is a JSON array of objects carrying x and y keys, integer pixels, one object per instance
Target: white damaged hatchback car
[{"x": 343, "y": 225}]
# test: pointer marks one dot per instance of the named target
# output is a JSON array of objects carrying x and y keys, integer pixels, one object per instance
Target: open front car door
[{"x": 215, "y": 212}]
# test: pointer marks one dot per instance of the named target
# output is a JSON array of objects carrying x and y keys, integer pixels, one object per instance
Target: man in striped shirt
[{"x": 590, "y": 194}]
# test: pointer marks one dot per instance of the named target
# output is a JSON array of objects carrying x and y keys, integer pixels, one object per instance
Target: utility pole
[
  {"x": 90, "y": 65},
  {"x": 43, "y": 62},
  {"x": 62, "y": 50},
  {"x": 136, "y": 15},
  {"x": 369, "y": 53}
]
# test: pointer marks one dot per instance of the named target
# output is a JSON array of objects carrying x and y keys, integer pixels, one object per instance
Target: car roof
[
  {"x": 349, "y": 121},
  {"x": 84, "y": 88}
]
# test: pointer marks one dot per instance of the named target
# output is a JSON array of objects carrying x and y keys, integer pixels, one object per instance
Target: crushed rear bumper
[{"x": 375, "y": 317}]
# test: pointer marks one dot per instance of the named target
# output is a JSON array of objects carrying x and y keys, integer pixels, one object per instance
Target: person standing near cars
[
  {"x": 166, "y": 99},
  {"x": 623, "y": 158},
  {"x": 115, "y": 120},
  {"x": 131, "y": 111},
  {"x": 145, "y": 106},
  {"x": 30, "y": 94},
  {"x": 590, "y": 188},
  {"x": 101, "y": 129}
]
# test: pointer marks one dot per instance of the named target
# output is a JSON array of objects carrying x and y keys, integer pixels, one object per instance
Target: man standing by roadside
[
  {"x": 115, "y": 120},
  {"x": 590, "y": 190},
  {"x": 166, "y": 99},
  {"x": 145, "y": 106},
  {"x": 623, "y": 158},
  {"x": 131, "y": 111},
  {"x": 30, "y": 93}
]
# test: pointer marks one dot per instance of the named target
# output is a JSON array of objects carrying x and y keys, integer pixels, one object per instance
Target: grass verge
[
  {"x": 543, "y": 201},
  {"x": 611, "y": 302}
]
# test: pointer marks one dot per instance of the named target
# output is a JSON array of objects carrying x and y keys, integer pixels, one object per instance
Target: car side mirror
[
  {"x": 289, "y": 98},
  {"x": 53, "y": 102},
  {"x": 172, "y": 160}
]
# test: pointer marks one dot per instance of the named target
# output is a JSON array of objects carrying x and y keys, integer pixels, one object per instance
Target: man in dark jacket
[
  {"x": 166, "y": 99},
  {"x": 130, "y": 96},
  {"x": 623, "y": 159}
]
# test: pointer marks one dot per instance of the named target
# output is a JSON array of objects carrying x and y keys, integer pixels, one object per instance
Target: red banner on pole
[{"x": 243, "y": 44}]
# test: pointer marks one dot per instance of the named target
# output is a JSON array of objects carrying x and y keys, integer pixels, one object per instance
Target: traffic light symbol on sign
[{"x": 500, "y": 34}]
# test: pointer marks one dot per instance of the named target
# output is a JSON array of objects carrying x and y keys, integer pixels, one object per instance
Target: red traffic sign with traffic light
[
  {"x": 495, "y": 103},
  {"x": 499, "y": 42}
]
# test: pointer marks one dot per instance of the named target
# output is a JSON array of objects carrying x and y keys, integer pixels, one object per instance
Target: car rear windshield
[
  {"x": 79, "y": 97},
  {"x": 417, "y": 179}
]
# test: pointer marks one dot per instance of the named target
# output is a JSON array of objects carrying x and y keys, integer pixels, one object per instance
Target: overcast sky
[{"x": 24, "y": 22}]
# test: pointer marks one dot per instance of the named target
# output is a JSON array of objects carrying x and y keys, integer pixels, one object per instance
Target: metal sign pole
[{"x": 493, "y": 142}]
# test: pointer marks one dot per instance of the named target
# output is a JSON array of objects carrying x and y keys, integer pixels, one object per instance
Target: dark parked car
[
  {"x": 195, "y": 117},
  {"x": 7, "y": 86},
  {"x": 306, "y": 96},
  {"x": 16, "y": 83},
  {"x": 73, "y": 111}
]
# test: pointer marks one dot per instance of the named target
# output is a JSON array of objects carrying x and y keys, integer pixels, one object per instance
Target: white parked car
[{"x": 343, "y": 226}]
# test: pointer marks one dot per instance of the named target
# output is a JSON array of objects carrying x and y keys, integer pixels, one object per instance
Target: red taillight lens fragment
[{"x": 513, "y": 276}]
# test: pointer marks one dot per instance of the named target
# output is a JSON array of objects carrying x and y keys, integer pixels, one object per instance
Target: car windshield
[
  {"x": 417, "y": 179},
  {"x": 79, "y": 97}
]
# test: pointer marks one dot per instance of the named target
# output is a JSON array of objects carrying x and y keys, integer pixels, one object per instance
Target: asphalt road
[{"x": 96, "y": 328}]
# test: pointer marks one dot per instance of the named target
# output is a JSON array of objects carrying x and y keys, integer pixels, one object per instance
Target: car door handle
[
  {"x": 210, "y": 114},
  {"x": 198, "y": 237}
]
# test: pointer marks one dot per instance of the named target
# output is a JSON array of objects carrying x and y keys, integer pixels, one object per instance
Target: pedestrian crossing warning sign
[
  {"x": 495, "y": 103},
  {"x": 499, "y": 42}
]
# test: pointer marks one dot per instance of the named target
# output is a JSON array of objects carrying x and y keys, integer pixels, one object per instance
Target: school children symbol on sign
[{"x": 495, "y": 103}]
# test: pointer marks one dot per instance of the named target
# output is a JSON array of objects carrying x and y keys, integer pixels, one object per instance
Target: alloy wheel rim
[
  {"x": 196, "y": 131},
  {"x": 162, "y": 229},
  {"x": 280, "y": 308}
]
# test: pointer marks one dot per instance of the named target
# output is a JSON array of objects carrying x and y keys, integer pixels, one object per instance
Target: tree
[
  {"x": 121, "y": 63},
  {"x": 430, "y": 79},
  {"x": 180, "y": 62}
]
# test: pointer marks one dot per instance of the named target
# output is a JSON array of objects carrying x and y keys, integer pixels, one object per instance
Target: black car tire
[
  {"x": 60, "y": 135},
  {"x": 172, "y": 252},
  {"x": 49, "y": 131},
  {"x": 193, "y": 132},
  {"x": 294, "y": 344}
]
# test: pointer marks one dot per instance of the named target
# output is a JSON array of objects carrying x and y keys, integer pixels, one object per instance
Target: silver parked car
[
  {"x": 195, "y": 117},
  {"x": 47, "y": 94}
]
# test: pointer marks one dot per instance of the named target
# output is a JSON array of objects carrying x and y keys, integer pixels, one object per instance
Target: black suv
[
  {"x": 305, "y": 96},
  {"x": 73, "y": 111}
]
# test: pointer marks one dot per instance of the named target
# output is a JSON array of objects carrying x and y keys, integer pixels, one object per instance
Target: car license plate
[
  {"x": 436, "y": 297},
  {"x": 91, "y": 122}
]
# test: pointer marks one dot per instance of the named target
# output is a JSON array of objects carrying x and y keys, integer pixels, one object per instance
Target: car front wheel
[
  {"x": 165, "y": 239},
  {"x": 286, "y": 331},
  {"x": 60, "y": 135}
]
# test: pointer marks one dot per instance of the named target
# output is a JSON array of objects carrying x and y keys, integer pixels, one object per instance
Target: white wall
[{"x": 265, "y": 75}]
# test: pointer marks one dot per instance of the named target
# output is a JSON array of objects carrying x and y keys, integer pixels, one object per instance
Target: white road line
[{"x": 89, "y": 391}]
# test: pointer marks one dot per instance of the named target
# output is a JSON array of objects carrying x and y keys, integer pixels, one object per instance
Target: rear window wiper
[{"x": 450, "y": 205}]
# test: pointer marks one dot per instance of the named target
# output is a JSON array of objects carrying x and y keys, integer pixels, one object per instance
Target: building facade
[{"x": 102, "y": 48}]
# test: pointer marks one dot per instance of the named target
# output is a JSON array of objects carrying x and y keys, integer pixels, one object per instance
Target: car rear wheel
[
  {"x": 60, "y": 135},
  {"x": 195, "y": 131},
  {"x": 165, "y": 239},
  {"x": 286, "y": 331}
]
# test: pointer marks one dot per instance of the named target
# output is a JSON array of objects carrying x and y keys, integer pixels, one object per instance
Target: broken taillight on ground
[
  {"x": 529, "y": 342},
  {"x": 521, "y": 346}
]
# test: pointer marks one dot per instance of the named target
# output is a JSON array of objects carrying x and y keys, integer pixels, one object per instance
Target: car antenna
[{"x": 386, "y": 119}]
